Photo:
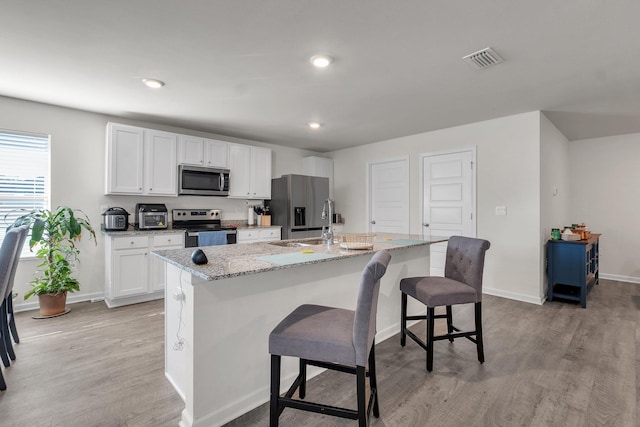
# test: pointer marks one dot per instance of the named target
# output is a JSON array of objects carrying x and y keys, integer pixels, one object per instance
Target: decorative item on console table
[{"x": 55, "y": 234}]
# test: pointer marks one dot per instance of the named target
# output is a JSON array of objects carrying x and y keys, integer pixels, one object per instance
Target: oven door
[
  {"x": 191, "y": 238},
  {"x": 199, "y": 181}
]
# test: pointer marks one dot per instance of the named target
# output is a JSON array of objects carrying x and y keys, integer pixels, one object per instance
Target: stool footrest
[{"x": 318, "y": 408}]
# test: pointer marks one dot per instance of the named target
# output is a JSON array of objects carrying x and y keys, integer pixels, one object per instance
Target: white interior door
[
  {"x": 389, "y": 196},
  {"x": 448, "y": 194}
]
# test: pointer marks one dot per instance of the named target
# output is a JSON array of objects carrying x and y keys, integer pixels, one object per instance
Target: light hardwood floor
[{"x": 550, "y": 365}]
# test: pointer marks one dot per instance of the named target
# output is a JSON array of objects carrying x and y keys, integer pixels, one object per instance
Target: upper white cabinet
[
  {"x": 140, "y": 161},
  {"x": 160, "y": 171},
  {"x": 250, "y": 172},
  {"x": 319, "y": 166},
  {"x": 197, "y": 151},
  {"x": 261, "y": 170},
  {"x": 125, "y": 148},
  {"x": 143, "y": 161}
]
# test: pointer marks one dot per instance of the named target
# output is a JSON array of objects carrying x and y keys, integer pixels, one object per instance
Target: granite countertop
[{"x": 244, "y": 259}]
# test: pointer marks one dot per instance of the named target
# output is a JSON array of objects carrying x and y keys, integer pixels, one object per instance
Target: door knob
[
  {"x": 425, "y": 224},
  {"x": 373, "y": 222}
]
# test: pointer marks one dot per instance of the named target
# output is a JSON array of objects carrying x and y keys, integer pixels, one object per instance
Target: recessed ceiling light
[
  {"x": 153, "y": 83},
  {"x": 321, "y": 61},
  {"x": 314, "y": 125}
]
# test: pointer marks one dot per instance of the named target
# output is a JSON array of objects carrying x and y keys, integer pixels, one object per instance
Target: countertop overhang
[{"x": 252, "y": 258}]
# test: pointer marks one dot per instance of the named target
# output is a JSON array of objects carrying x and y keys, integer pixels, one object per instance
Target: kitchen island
[{"x": 218, "y": 316}]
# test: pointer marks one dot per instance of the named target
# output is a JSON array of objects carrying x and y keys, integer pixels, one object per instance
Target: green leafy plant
[{"x": 55, "y": 234}]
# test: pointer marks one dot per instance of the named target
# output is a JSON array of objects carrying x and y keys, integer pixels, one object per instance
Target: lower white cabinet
[
  {"x": 253, "y": 235},
  {"x": 132, "y": 274}
]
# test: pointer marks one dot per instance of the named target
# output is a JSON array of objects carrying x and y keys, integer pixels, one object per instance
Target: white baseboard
[
  {"x": 513, "y": 295},
  {"x": 71, "y": 299},
  {"x": 619, "y": 278}
]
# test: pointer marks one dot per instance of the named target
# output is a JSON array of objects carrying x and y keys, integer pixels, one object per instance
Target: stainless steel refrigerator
[{"x": 296, "y": 204}]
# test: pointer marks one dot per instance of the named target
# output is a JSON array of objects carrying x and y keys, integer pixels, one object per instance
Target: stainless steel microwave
[{"x": 199, "y": 181}]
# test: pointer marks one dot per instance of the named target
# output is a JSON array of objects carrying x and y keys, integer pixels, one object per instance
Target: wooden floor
[{"x": 550, "y": 365}]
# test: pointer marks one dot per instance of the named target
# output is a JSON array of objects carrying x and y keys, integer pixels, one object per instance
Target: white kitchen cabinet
[
  {"x": 140, "y": 161},
  {"x": 190, "y": 150},
  {"x": 253, "y": 235},
  {"x": 132, "y": 274},
  {"x": 162, "y": 242},
  {"x": 216, "y": 153},
  {"x": 203, "y": 152},
  {"x": 319, "y": 166},
  {"x": 160, "y": 166},
  {"x": 250, "y": 176},
  {"x": 261, "y": 168},
  {"x": 129, "y": 268},
  {"x": 125, "y": 158}
]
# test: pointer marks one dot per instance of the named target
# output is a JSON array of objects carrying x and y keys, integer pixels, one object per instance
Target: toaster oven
[{"x": 151, "y": 216}]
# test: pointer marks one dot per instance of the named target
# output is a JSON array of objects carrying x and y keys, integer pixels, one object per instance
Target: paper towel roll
[{"x": 251, "y": 217}]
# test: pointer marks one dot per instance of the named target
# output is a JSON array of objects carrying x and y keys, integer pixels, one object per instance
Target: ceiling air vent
[{"x": 483, "y": 58}]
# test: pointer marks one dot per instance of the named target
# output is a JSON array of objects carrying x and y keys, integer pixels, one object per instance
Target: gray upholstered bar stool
[
  {"x": 7, "y": 254},
  {"x": 6, "y": 307},
  {"x": 461, "y": 284},
  {"x": 332, "y": 338}
]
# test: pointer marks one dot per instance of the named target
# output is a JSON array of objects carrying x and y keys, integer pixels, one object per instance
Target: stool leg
[
  {"x": 403, "y": 319},
  {"x": 373, "y": 382},
  {"x": 12, "y": 320},
  {"x": 449, "y": 322},
  {"x": 3, "y": 339},
  {"x": 274, "y": 410},
  {"x": 3, "y": 385},
  {"x": 302, "y": 390},
  {"x": 362, "y": 405},
  {"x": 430, "y": 331},
  {"x": 6, "y": 335},
  {"x": 479, "y": 344}
]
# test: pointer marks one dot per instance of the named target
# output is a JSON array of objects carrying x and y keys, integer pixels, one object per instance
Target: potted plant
[{"x": 55, "y": 234}]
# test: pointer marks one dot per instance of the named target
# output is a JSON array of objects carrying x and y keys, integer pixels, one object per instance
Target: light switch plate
[{"x": 501, "y": 210}]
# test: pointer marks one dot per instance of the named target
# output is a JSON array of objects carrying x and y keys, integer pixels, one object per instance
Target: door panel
[
  {"x": 389, "y": 196},
  {"x": 448, "y": 201}
]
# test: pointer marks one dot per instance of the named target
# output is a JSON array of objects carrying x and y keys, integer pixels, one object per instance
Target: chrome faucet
[{"x": 327, "y": 212}]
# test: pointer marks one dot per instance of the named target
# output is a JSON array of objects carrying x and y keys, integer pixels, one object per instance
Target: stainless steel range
[{"x": 195, "y": 221}]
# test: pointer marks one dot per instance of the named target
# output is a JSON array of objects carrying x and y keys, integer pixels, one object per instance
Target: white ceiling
[{"x": 241, "y": 68}]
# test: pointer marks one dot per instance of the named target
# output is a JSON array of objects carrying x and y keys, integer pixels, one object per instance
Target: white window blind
[{"x": 24, "y": 176}]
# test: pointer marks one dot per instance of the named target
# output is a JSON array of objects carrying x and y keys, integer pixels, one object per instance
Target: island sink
[{"x": 297, "y": 243}]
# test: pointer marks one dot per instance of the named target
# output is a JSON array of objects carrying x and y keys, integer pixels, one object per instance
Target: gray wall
[{"x": 605, "y": 194}]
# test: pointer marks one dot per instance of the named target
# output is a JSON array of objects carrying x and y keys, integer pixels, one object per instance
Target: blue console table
[{"x": 572, "y": 268}]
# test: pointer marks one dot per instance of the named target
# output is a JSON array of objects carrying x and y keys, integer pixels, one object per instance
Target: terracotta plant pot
[{"x": 52, "y": 304}]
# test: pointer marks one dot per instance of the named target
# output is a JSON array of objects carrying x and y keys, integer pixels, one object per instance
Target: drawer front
[
  {"x": 168, "y": 240},
  {"x": 270, "y": 233},
  {"x": 130, "y": 242},
  {"x": 247, "y": 234}
]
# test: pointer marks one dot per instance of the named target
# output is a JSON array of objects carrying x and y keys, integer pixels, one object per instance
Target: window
[{"x": 24, "y": 176}]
